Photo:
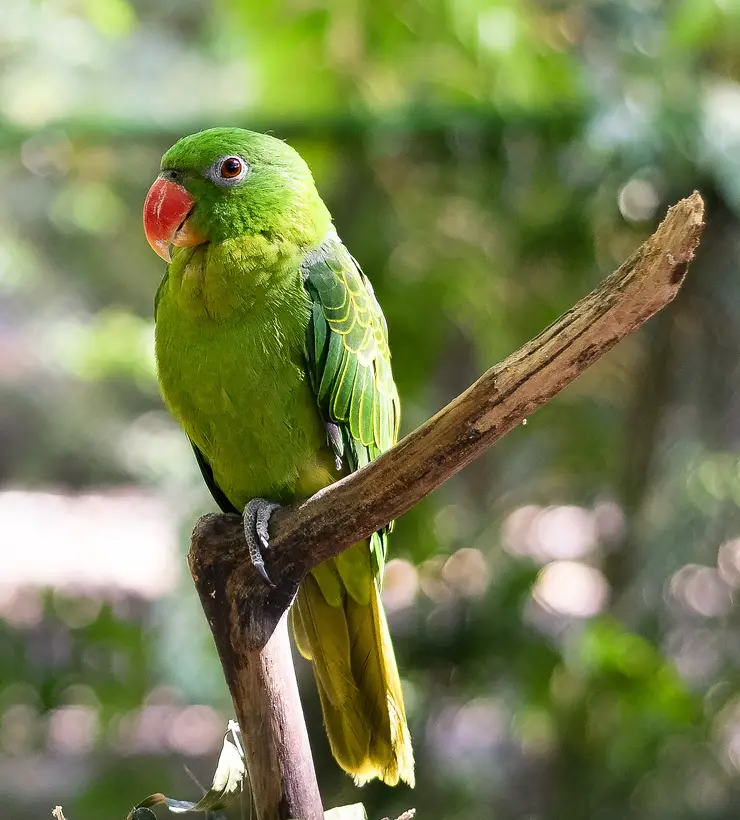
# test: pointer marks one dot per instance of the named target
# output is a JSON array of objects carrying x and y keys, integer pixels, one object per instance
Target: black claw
[{"x": 260, "y": 567}]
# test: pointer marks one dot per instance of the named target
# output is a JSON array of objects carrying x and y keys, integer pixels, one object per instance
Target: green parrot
[{"x": 272, "y": 354}]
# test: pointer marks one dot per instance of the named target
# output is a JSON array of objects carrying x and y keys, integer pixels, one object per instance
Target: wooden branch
[
  {"x": 244, "y": 612},
  {"x": 264, "y": 690}
]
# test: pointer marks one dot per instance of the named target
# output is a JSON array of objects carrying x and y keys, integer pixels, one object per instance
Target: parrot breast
[{"x": 236, "y": 379}]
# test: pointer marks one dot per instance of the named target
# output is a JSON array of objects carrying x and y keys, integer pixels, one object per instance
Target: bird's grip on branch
[
  {"x": 247, "y": 616},
  {"x": 308, "y": 533}
]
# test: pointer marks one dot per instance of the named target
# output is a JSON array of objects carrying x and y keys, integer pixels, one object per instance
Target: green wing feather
[
  {"x": 349, "y": 362},
  {"x": 350, "y": 370}
]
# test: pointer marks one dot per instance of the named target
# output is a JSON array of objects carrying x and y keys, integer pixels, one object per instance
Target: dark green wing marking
[
  {"x": 218, "y": 494},
  {"x": 349, "y": 362},
  {"x": 160, "y": 291}
]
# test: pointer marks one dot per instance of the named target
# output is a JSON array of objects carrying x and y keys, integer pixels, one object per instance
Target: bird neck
[{"x": 218, "y": 279}]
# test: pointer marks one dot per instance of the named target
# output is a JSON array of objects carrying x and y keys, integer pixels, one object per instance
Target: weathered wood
[
  {"x": 247, "y": 616},
  {"x": 261, "y": 680}
]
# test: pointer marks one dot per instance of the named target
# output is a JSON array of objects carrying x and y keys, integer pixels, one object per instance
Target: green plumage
[{"x": 272, "y": 354}]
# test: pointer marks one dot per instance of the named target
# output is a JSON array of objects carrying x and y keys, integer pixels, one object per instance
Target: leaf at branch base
[
  {"x": 354, "y": 812},
  {"x": 409, "y": 814},
  {"x": 225, "y": 789}
]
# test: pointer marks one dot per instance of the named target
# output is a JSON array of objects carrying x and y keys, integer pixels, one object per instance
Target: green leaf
[{"x": 114, "y": 18}]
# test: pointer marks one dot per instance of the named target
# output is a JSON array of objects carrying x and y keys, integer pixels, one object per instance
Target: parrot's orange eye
[
  {"x": 231, "y": 168},
  {"x": 228, "y": 171}
]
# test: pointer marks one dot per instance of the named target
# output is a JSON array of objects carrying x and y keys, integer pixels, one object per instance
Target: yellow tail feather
[{"x": 357, "y": 678}]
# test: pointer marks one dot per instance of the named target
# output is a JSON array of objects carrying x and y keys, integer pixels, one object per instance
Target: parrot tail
[{"x": 339, "y": 624}]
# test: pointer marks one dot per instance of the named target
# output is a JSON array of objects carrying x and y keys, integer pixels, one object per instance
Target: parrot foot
[{"x": 256, "y": 530}]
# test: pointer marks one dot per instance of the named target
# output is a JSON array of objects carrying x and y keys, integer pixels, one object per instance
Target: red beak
[{"x": 166, "y": 211}]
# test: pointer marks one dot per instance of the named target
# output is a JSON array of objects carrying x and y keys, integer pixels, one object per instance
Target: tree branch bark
[{"x": 244, "y": 612}]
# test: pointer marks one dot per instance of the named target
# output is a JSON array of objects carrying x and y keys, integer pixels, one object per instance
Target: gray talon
[
  {"x": 259, "y": 565},
  {"x": 257, "y": 531}
]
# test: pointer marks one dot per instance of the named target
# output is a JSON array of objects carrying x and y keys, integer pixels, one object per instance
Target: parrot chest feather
[{"x": 238, "y": 385}]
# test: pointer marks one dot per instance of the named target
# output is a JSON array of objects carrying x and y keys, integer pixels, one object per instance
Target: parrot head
[{"x": 224, "y": 183}]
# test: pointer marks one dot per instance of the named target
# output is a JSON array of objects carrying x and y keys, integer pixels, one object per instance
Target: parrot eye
[{"x": 231, "y": 169}]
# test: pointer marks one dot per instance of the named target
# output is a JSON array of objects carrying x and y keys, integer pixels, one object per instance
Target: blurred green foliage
[{"x": 564, "y": 612}]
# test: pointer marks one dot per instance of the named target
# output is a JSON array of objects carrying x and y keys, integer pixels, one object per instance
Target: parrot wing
[
  {"x": 349, "y": 362},
  {"x": 348, "y": 640}
]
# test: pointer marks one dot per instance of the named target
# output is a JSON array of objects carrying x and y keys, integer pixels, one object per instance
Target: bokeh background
[{"x": 564, "y": 611}]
